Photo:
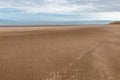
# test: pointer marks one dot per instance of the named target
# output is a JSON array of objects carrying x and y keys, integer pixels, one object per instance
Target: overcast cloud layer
[
  {"x": 59, "y": 10},
  {"x": 62, "y": 6}
]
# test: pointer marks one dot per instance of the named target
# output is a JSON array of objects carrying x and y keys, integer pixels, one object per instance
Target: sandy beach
[{"x": 60, "y": 53}]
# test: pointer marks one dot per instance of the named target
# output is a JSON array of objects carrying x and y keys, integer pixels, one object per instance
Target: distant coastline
[{"x": 115, "y": 23}]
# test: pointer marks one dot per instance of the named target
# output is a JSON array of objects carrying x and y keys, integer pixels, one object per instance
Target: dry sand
[{"x": 60, "y": 53}]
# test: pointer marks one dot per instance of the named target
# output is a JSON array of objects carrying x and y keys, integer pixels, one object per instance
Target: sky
[{"x": 42, "y": 11}]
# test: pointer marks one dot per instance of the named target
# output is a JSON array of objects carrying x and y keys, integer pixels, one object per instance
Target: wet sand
[{"x": 60, "y": 53}]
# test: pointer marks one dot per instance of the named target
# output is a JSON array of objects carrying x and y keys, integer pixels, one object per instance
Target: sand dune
[{"x": 60, "y": 53}]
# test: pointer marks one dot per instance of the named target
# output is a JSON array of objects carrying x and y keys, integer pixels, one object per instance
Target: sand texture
[{"x": 60, "y": 53}]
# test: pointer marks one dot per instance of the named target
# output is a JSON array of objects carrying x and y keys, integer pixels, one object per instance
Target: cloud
[
  {"x": 65, "y": 9},
  {"x": 62, "y": 6}
]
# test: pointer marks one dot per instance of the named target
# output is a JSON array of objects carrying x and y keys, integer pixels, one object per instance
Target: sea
[{"x": 98, "y": 22}]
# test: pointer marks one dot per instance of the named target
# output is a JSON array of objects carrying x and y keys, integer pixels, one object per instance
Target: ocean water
[{"x": 53, "y": 22}]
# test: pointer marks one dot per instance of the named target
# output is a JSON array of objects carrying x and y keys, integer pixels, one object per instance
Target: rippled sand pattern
[{"x": 60, "y": 53}]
